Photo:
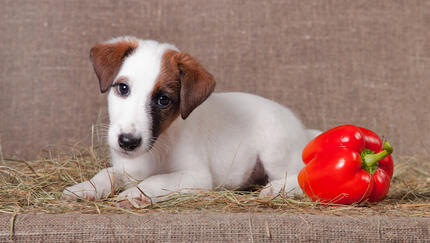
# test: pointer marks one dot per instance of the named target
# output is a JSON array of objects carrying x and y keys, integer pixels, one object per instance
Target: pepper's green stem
[{"x": 370, "y": 159}]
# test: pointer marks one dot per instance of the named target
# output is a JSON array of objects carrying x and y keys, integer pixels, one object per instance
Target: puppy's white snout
[{"x": 129, "y": 142}]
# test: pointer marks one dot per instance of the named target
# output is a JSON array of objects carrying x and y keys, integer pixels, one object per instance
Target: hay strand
[{"x": 36, "y": 186}]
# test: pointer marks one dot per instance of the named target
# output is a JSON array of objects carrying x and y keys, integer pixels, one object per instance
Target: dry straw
[{"x": 36, "y": 186}]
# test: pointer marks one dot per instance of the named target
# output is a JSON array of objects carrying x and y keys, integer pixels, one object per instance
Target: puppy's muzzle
[{"x": 129, "y": 142}]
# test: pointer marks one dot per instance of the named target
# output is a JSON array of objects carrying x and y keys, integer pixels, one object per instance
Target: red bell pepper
[{"x": 345, "y": 165}]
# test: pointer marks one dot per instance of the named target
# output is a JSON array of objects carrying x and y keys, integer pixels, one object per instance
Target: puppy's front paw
[
  {"x": 82, "y": 190},
  {"x": 132, "y": 198}
]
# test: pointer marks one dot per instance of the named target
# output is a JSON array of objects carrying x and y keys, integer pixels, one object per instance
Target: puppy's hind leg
[
  {"x": 286, "y": 186},
  {"x": 282, "y": 169}
]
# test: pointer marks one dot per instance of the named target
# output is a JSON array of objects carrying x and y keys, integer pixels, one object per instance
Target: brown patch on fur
[
  {"x": 121, "y": 80},
  {"x": 185, "y": 82},
  {"x": 107, "y": 59},
  {"x": 196, "y": 83},
  {"x": 167, "y": 84}
]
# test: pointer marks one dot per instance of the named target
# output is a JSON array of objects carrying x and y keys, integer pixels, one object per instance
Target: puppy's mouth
[
  {"x": 144, "y": 148},
  {"x": 130, "y": 154},
  {"x": 125, "y": 152}
]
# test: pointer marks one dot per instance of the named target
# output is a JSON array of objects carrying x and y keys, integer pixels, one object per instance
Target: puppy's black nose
[{"x": 129, "y": 142}]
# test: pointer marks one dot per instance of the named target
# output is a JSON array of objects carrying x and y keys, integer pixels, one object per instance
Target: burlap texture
[
  {"x": 332, "y": 62},
  {"x": 198, "y": 227}
]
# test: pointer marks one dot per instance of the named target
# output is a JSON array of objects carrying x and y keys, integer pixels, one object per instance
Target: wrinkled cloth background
[{"x": 331, "y": 62}]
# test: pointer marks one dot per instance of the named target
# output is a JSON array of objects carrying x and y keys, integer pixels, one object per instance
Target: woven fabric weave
[
  {"x": 333, "y": 62},
  {"x": 213, "y": 227}
]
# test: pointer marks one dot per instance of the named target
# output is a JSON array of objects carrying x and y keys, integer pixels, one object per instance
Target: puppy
[{"x": 169, "y": 133}]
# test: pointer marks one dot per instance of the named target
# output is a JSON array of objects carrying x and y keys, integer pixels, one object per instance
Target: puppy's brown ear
[
  {"x": 196, "y": 83},
  {"x": 107, "y": 60}
]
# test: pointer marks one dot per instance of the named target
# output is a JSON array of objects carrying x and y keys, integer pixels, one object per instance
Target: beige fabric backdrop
[
  {"x": 332, "y": 62},
  {"x": 212, "y": 227}
]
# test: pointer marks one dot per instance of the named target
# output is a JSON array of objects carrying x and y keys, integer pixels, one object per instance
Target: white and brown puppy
[{"x": 167, "y": 133}]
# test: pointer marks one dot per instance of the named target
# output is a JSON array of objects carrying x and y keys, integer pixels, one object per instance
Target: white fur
[
  {"x": 217, "y": 146},
  {"x": 130, "y": 115}
]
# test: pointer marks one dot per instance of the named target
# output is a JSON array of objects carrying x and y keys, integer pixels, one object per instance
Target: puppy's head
[{"x": 150, "y": 84}]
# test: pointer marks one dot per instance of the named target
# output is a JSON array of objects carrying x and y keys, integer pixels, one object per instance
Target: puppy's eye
[
  {"x": 164, "y": 101},
  {"x": 122, "y": 89}
]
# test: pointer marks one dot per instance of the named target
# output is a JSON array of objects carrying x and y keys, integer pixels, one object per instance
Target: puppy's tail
[{"x": 312, "y": 133}]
